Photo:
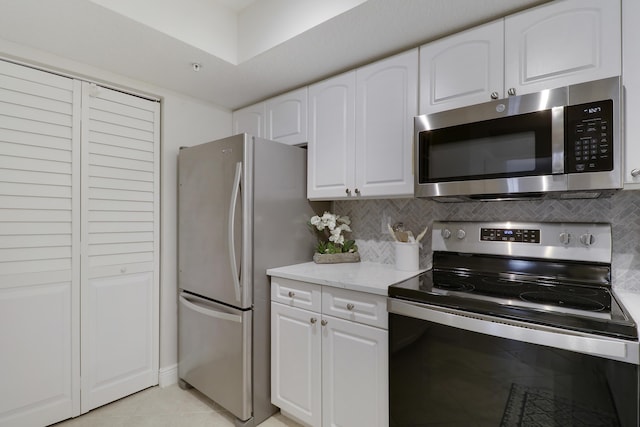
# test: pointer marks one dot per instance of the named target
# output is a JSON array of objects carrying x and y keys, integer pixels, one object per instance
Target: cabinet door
[
  {"x": 331, "y": 149},
  {"x": 386, "y": 102},
  {"x": 251, "y": 120},
  {"x": 120, "y": 245},
  {"x": 354, "y": 374},
  {"x": 295, "y": 363},
  {"x": 562, "y": 43},
  {"x": 287, "y": 117},
  {"x": 463, "y": 69},
  {"x": 39, "y": 247},
  {"x": 631, "y": 80}
]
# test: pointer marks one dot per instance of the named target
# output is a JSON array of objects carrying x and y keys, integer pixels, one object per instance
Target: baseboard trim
[{"x": 168, "y": 376}]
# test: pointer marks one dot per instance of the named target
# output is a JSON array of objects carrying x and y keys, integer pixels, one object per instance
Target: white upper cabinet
[
  {"x": 331, "y": 149},
  {"x": 631, "y": 81},
  {"x": 562, "y": 43},
  {"x": 361, "y": 131},
  {"x": 282, "y": 118},
  {"x": 463, "y": 69},
  {"x": 287, "y": 117},
  {"x": 386, "y": 102},
  {"x": 251, "y": 120},
  {"x": 556, "y": 44}
]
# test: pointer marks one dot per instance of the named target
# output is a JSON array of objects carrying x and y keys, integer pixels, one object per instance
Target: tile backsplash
[{"x": 369, "y": 220}]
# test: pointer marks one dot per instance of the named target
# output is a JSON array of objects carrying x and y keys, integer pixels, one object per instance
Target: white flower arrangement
[{"x": 331, "y": 226}]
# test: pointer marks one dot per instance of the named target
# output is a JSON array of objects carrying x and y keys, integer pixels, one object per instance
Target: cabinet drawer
[
  {"x": 359, "y": 307},
  {"x": 295, "y": 293}
]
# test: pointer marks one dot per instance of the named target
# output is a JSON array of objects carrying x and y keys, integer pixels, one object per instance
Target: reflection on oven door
[{"x": 444, "y": 376}]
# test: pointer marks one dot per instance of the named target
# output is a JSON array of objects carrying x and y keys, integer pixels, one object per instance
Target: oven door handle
[{"x": 610, "y": 348}]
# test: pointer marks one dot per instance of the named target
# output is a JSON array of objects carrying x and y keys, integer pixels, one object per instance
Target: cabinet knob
[
  {"x": 313, "y": 320},
  {"x": 347, "y": 191},
  {"x": 350, "y": 306},
  {"x": 511, "y": 91},
  {"x": 123, "y": 270},
  {"x": 323, "y": 322},
  {"x": 494, "y": 95},
  {"x": 292, "y": 294},
  {"x": 635, "y": 173},
  {"x": 357, "y": 191}
]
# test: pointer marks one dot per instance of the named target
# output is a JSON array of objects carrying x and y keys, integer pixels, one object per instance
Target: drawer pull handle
[
  {"x": 323, "y": 322},
  {"x": 350, "y": 306},
  {"x": 313, "y": 320},
  {"x": 292, "y": 294}
]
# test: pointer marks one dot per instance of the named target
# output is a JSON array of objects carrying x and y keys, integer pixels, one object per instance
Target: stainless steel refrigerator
[{"x": 242, "y": 208}]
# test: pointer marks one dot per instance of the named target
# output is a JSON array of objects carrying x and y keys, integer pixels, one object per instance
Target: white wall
[{"x": 185, "y": 121}]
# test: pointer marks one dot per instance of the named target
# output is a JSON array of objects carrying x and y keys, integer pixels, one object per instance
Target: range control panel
[
  {"x": 589, "y": 137},
  {"x": 524, "y": 235},
  {"x": 549, "y": 240}
]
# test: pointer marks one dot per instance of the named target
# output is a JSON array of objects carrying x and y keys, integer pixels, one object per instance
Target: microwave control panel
[{"x": 589, "y": 137}]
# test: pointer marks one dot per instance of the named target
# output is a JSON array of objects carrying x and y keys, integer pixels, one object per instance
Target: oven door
[{"x": 453, "y": 368}]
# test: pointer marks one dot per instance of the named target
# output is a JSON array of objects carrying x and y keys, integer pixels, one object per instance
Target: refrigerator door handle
[
  {"x": 209, "y": 311},
  {"x": 232, "y": 229}
]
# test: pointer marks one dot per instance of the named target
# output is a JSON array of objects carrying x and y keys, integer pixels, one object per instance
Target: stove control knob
[
  {"x": 461, "y": 234},
  {"x": 446, "y": 233},
  {"x": 587, "y": 239},
  {"x": 565, "y": 238}
]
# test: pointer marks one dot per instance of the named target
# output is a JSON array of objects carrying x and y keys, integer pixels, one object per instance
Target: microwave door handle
[
  {"x": 232, "y": 229},
  {"x": 557, "y": 140}
]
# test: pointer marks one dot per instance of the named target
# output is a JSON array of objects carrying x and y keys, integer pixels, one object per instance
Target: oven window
[
  {"x": 440, "y": 375},
  {"x": 505, "y": 147}
]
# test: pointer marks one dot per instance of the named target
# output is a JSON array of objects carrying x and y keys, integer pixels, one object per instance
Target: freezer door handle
[
  {"x": 209, "y": 311},
  {"x": 235, "y": 273}
]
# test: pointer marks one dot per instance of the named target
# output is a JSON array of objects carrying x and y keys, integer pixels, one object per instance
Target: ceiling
[{"x": 83, "y": 31}]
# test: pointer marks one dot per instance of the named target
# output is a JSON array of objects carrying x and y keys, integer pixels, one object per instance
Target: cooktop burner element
[{"x": 560, "y": 277}]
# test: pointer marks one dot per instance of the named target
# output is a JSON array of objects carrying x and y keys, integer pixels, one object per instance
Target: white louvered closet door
[
  {"x": 39, "y": 246},
  {"x": 120, "y": 244}
]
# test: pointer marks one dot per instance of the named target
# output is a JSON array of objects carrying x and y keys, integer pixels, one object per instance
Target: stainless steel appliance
[
  {"x": 242, "y": 209},
  {"x": 563, "y": 142},
  {"x": 515, "y": 324}
]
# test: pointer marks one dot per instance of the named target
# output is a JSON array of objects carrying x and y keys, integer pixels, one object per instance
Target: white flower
[
  {"x": 336, "y": 238},
  {"x": 345, "y": 220},
  {"x": 332, "y": 226},
  {"x": 329, "y": 220},
  {"x": 345, "y": 227}
]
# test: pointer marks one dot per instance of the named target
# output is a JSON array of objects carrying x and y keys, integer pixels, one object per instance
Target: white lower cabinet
[{"x": 328, "y": 370}]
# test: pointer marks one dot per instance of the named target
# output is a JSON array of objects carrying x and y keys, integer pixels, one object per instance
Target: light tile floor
[{"x": 165, "y": 407}]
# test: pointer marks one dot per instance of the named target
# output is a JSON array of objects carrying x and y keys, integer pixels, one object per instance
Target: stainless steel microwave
[{"x": 563, "y": 142}]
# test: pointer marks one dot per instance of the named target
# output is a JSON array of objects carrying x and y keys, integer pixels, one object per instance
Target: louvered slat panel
[
  {"x": 120, "y": 243},
  {"x": 120, "y": 184},
  {"x": 119, "y": 227},
  {"x": 120, "y": 141},
  {"x": 36, "y": 180},
  {"x": 35, "y": 241},
  {"x": 33, "y": 152},
  {"x": 124, "y": 153},
  {"x": 34, "y": 139},
  {"x": 34, "y": 190},
  {"x": 39, "y": 246}
]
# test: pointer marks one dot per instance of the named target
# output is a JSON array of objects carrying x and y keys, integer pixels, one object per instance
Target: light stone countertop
[{"x": 370, "y": 277}]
